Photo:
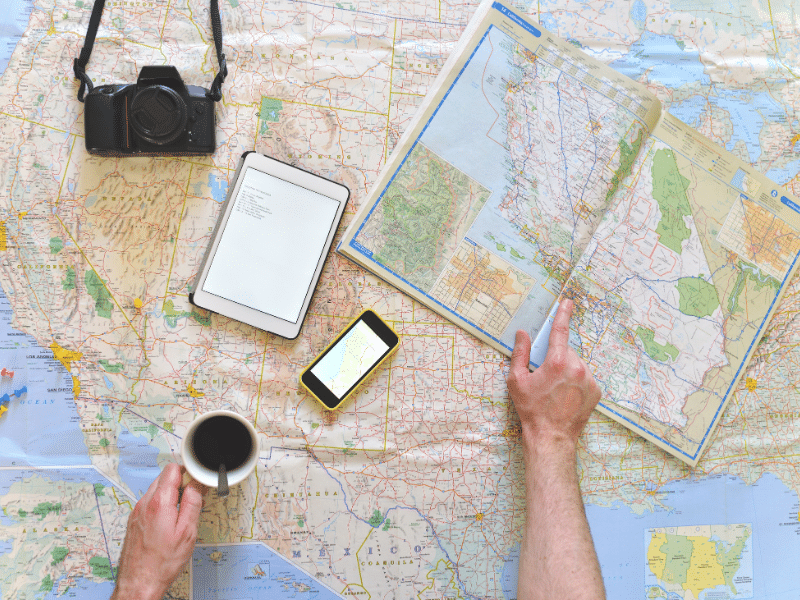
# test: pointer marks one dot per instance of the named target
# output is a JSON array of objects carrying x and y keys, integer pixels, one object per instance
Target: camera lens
[{"x": 158, "y": 114}]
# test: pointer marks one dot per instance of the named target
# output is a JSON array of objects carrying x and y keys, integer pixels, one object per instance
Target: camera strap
[{"x": 79, "y": 64}]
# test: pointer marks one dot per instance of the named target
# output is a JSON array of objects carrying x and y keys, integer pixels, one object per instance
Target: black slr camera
[{"x": 158, "y": 115}]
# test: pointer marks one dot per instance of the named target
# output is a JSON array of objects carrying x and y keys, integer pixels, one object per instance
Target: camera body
[{"x": 157, "y": 116}]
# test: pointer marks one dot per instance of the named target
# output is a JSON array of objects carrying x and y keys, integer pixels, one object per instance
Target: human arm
[
  {"x": 558, "y": 559},
  {"x": 160, "y": 537}
]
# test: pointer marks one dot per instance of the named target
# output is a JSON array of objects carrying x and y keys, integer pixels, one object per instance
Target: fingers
[
  {"x": 189, "y": 480},
  {"x": 559, "y": 332},
  {"x": 169, "y": 483},
  {"x": 596, "y": 392},
  {"x": 151, "y": 489},
  {"x": 148, "y": 495},
  {"x": 521, "y": 356},
  {"x": 191, "y": 505},
  {"x": 162, "y": 505}
]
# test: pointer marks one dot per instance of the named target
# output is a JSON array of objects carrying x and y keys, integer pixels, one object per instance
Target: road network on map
[{"x": 415, "y": 488}]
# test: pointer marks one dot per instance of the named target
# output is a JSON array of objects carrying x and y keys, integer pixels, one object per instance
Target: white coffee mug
[{"x": 210, "y": 477}]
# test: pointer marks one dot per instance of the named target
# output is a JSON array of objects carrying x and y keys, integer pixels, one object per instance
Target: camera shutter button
[{"x": 158, "y": 114}]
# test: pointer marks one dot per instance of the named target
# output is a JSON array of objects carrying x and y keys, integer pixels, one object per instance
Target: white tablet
[{"x": 269, "y": 246}]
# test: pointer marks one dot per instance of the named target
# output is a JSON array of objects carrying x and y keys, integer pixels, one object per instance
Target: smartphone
[{"x": 349, "y": 359}]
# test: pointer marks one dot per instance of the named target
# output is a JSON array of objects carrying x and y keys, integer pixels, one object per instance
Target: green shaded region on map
[
  {"x": 101, "y": 567},
  {"x": 656, "y": 351},
  {"x": 44, "y": 508},
  {"x": 376, "y": 518},
  {"x": 106, "y": 364},
  {"x": 669, "y": 190},
  {"x": 270, "y": 112},
  {"x": 747, "y": 272},
  {"x": 698, "y": 297},
  {"x": 59, "y": 553},
  {"x": 201, "y": 317},
  {"x": 627, "y": 156},
  {"x": 47, "y": 584},
  {"x": 424, "y": 215},
  {"x": 68, "y": 283},
  {"x": 171, "y": 315},
  {"x": 98, "y": 488},
  {"x": 678, "y": 552},
  {"x": 56, "y": 245},
  {"x": 270, "y": 109},
  {"x": 97, "y": 290}
]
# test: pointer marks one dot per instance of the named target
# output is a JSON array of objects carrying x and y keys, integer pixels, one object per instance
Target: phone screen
[
  {"x": 271, "y": 245},
  {"x": 347, "y": 361}
]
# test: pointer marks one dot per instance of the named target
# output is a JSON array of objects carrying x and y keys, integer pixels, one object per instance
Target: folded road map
[{"x": 534, "y": 171}]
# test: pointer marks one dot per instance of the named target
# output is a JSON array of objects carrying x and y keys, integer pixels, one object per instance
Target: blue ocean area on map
[
  {"x": 768, "y": 505},
  {"x": 6, "y": 398},
  {"x": 664, "y": 60},
  {"x": 250, "y": 571},
  {"x": 510, "y": 576},
  {"x": 748, "y": 113},
  {"x": 42, "y": 427},
  {"x": 138, "y": 461},
  {"x": 83, "y": 589},
  {"x": 13, "y": 22},
  {"x": 691, "y": 111},
  {"x": 784, "y": 174},
  {"x": 475, "y": 152}
]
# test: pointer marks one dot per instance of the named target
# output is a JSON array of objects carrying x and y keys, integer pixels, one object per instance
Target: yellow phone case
[{"x": 370, "y": 373}]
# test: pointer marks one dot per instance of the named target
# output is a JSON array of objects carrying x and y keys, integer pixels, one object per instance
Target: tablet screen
[{"x": 271, "y": 245}]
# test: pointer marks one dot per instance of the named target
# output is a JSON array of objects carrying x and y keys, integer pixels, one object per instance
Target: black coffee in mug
[{"x": 222, "y": 440}]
